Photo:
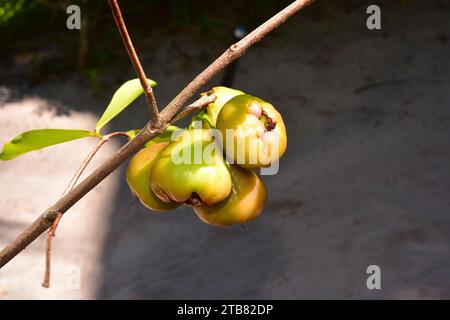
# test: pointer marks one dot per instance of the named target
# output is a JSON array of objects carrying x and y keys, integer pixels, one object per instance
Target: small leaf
[
  {"x": 163, "y": 136},
  {"x": 132, "y": 133},
  {"x": 121, "y": 99},
  {"x": 38, "y": 139}
]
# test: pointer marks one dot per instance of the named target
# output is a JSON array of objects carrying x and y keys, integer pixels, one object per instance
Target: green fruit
[
  {"x": 253, "y": 132},
  {"x": 191, "y": 170},
  {"x": 138, "y": 177},
  {"x": 223, "y": 95},
  {"x": 245, "y": 202}
]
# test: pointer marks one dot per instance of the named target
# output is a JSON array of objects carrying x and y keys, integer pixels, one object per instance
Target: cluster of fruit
[{"x": 249, "y": 133}]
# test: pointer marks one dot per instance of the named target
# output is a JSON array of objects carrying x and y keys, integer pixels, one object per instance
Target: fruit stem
[
  {"x": 203, "y": 117},
  {"x": 208, "y": 120}
]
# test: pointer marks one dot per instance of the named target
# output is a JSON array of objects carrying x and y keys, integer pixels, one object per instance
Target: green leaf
[
  {"x": 163, "y": 136},
  {"x": 38, "y": 139},
  {"x": 121, "y": 99},
  {"x": 132, "y": 133}
]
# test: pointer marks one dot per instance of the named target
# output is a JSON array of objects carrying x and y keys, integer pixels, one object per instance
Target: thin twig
[
  {"x": 48, "y": 250},
  {"x": 89, "y": 157},
  {"x": 197, "y": 105},
  {"x": 72, "y": 183},
  {"x": 115, "y": 9},
  {"x": 45, "y": 220}
]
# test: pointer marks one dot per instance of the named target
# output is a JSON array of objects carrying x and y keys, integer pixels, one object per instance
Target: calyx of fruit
[
  {"x": 191, "y": 170},
  {"x": 138, "y": 177},
  {"x": 253, "y": 132},
  {"x": 245, "y": 202}
]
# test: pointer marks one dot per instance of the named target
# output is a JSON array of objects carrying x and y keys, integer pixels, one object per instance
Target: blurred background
[{"x": 365, "y": 179}]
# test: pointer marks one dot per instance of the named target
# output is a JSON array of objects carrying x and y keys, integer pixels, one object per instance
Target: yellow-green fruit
[
  {"x": 253, "y": 132},
  {"x": 138, "y": 178},
  {"x": 245, "y": 202},
  {"x": 223, "y": 95},
  {"x": 191, "y": 170}
]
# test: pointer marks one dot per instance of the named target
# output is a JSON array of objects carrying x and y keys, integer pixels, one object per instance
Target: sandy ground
[{"x": 365, "y": 180}]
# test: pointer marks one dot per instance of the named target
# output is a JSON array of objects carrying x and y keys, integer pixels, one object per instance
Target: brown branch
[
  {"x": 197, "y": 105},
  {"x": 234, "y": 52},
  {"x": 73, "y": 181},
  {"x": 89, "y": 157},
  {"x": 48, "y": 250},
  {"x": 115, "y": 9},
  {"x": 149, "y": 132}
]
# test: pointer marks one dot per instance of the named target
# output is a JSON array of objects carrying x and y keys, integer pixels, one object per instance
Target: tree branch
[
  {"x": 149, "y": 132},
  {"x": 234, "y": 52},
  {"x": 115, "y": 9},
  {"x": 48, "y": 250},
  {"x": 72, "y": 183},
  {"x": 89, "y": 157},
  {"x": 197, "y": 105}
]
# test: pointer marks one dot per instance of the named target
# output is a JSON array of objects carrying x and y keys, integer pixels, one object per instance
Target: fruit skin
[
  {"x": 206, "y": 181},
  {"x": 223, "y": 95},
  {"x": 258, "y": 132},
  {"x": 245, "y": 202},
  {"x": 138, "y": 177}
]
